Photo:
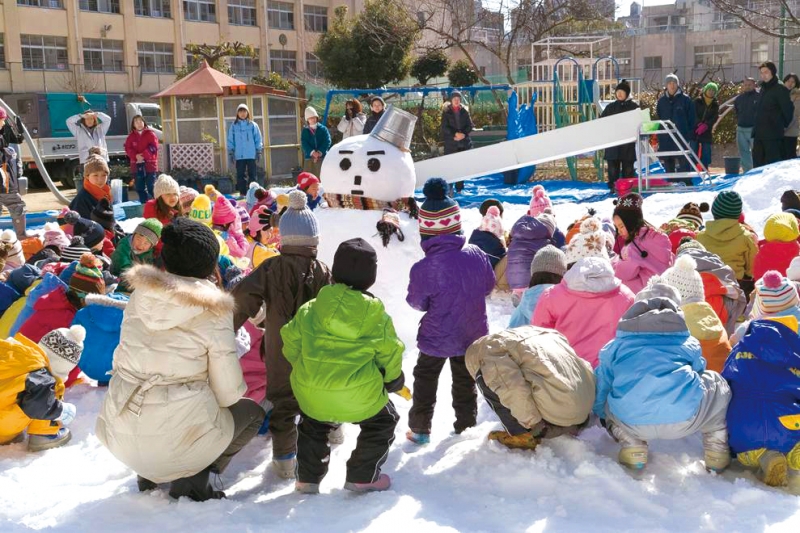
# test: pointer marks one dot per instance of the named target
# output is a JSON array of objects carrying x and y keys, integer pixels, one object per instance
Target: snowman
[{"x": 373, "y": 171}]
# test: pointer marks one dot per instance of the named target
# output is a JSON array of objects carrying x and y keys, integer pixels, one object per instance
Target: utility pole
[{"x": 782, "y": 41}]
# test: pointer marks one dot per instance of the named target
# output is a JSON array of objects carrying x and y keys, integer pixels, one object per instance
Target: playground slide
[{"x": 541, "y": 148}]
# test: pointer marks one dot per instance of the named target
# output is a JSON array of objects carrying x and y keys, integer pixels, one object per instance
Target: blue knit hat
[
  {"x": 298, "y": 225},
  {"x": 727, "y": 204},
  {"x": 438, "y": 215}
]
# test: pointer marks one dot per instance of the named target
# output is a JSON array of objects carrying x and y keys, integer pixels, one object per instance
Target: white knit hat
[
  {"x": 63, "y": 348},
  {"x": 493, "y": 223},
  {"x": 793, "y": 272},
  {"x": 166, "y": 185},
  {"x": 311, "y": 113},
  {"x": 657, "y": 287},
  {"x": 15, "y": 258},
  {"x": 590, "y": 242},
  {"x": 685, "y": 277}
]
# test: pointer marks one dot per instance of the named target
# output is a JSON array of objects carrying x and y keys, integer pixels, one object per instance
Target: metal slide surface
[{"x": 541, "y": 148}]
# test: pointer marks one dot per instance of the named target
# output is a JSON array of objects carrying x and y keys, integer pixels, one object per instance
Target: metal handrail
[{"x": 646, "y": 155}]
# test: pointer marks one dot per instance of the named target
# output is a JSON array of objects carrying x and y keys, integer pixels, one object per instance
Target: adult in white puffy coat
[{"x": 175, "y": 410}]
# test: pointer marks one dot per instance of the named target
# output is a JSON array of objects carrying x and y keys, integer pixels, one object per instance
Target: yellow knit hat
[
  {"x": 788, "y": 321},
  {"x": 201, "y": 210},
  {"x": 781, "y": 227},
  {"x": 211, "y": 192},
  {"x": 283, "y": 201}
]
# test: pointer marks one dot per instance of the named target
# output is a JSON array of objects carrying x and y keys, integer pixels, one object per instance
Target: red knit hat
[
  {"x": 224, "y": 213},
  {"x": 306, "y": 180}
]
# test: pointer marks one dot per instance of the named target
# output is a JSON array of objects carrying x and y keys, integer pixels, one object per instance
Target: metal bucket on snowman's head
[{"x": 396, "y": 127}]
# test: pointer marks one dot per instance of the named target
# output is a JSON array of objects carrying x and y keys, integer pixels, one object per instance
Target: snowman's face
[{"x": 366, "y": 166}]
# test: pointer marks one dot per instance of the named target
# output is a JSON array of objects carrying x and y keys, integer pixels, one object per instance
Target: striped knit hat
[
  {"x": 87, "y": 279},
  {"x": 438, "y": 215},
  {"x": 150, "y": 229},
  {"x": 775, "y": 295},
  {"x": 74, "y": 251},
  {"x": 727, "y": 204}
]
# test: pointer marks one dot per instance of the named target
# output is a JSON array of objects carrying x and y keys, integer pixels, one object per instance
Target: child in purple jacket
[{"x": 450, "y": 285}]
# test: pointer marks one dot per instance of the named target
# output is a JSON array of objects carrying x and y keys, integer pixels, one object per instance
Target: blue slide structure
[{"x": 521, "y": 123}]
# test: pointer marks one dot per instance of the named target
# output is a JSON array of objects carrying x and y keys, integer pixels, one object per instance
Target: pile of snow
[{"x": 457, "y": 483}]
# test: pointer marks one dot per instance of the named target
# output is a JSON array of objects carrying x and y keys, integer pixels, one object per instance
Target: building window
[
  {"x": 242, "y": 12},
  {"x": 40, "y": 52},
  {"x": 313, "y": 66},
  {"x": 280, "y": 15},
  {"x": 316, "y": 18},
  {"x": 200, "y": 10},
  {"x": 2, "y": 50},
  {"x": 102, "y": 55},
  {"x": 713, "y": 55},
  {"x": 156, "y": 57},
  {"x": 284, "y": 62},
  {"x": 759, "y": 53},
  {"x": 52, "y": 4},
  {"x": 245, "y": 66},
  {"x": 153, "y": 8},
  {"x": 100, "y": 6},
  {"x": 652, "y": 62}
]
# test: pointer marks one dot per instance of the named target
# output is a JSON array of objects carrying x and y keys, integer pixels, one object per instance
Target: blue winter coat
[
  {"x": 678, "y": 108},
  {"x": 450, "y": 284},
  {"x": 102, "y": 319},
  {"x": 7, "y": 296},
  {"x": 319, "y": 141},
  {"x": 490, "y": 244},
  {"x": 528, "y": 236},
  {"x": 524, "y": 312},
  {"x": 764, "y": 374},
  {"x": 650, "y": 372},
  {"x": 244, "y": 139},
  {"x": 49, "y": 283}
]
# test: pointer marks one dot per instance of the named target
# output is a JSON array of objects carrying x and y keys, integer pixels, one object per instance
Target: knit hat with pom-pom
[
  {"x": 775, "y": 295},
  {"x": 224, "y": 213},
  {"x": 92, "y": 232},
  {"x": 88, "y": 278},
  {"x": 63, "y": 347},
  {"x": 590, "y": 242},
  {"x": 54, "y": 236},
  {"x": 211, "y": 192},
  {"x": 693, "y": 213},
  {"x": 493, "y": 223},
  {"x": 250, "y": 198},
  {"x": 687, "y": 243},
  {"x": 793, "y": 272},
  {"x": 683, "y": 275},
  {"x": 539, "y": 201},
  {"x": 549, "y": 259},
  {"x": 484, "y": 208},
  {"x": 781, "y": 227},
  {"x": 657, "y": 287},
  {"x": 201, "y": 210},
  {"x": 298, "y": 225},
  {"x": 439, "y": 214},
  {"x": 75, "y": 250}
]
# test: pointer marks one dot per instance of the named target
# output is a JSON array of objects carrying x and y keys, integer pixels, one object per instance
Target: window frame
[
  {"x": 282, "y": 60},
  {"x": 654, "y": 67},
  {"x": 315, "y": 19},
  {"x": 154, "y": 54},
  {"x": 235, "y": 7},
  {"x": 103, "y": 51},
  {"x": 210, "y": 5},
  {"x": 312, "y": 59},
  {"x": 3, "y": 51},
  {"x": 43, "y": 48},
  {"x": 38, "y": 3},
  {"x": 142, "y": 6},
  {"x": 245, "y": 71},
  {"x": 275, "y": 11},
  {"x": 110, "y": 11},
  {"x": 717, "y": 50},
  {"x": 765, "y": 52}
]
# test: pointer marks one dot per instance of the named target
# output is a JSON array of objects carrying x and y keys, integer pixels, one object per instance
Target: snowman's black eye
[
  {"x": 374, "y": 165},
  {"x": 345, "y": 164}
]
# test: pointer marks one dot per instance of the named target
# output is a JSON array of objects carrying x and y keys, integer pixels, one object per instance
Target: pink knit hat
[
  {"x": 539, "y": 201},
  {"x": 224, "y": 213},
  {"x": 493, "y": 223},
  {"x": 55, "y": 236}
]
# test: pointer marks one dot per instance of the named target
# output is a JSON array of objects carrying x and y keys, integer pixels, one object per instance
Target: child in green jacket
[
  {"x": 137, "y": 248},
  {"x": 345, "y": 358}
]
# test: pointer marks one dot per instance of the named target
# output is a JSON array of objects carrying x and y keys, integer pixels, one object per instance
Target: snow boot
[
  {"x": 382, "y": 483},
  {"x": 418, "y": 438},
  {"x": 306, "y": 488},
  {"x": 145, "y": 484},
  {"x": 793, "y": 481},
  {"x": 336, "y": 436},
  {"x": 38, "y": 443},
  {"x": 717, "y": 461},
  {"x": 523, "y": 441},
  {"x": 285, "y": 466},
  {"x": 717, "y": 453},
  {"x": 772, "y": 468},
  {"x": 197, "y": 488},
  {"x": 633, "y": 457}
]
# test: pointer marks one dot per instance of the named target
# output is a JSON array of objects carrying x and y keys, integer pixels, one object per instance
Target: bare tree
[{"x": 776, "y": 18}]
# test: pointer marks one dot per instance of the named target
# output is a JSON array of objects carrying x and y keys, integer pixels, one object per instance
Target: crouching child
[
  {"x": 534, "y": 382},
  {"x": 345, "y": 358}
]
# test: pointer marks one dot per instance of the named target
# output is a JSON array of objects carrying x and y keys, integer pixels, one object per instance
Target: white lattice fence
[
  {"x": 197, "y": 156},
  {"x": 162, "y": 158}
]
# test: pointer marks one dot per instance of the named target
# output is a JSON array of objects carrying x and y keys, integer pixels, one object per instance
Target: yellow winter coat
[
  {"x": 11, "y": 314},
  {"x": 732, "y": 243},
  {"x": 18, "y": 358},
  {"x": 705, "y": 326}
]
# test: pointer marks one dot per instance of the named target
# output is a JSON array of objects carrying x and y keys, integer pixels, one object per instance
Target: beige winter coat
[
  {"x": 536, "y": 374},
  {"x": 175, "y": 372}
]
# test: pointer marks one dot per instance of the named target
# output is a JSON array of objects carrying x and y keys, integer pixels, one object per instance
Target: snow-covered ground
[{"x": 457, "y": 483}]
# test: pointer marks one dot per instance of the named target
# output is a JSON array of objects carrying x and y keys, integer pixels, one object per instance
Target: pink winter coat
[
  {"x": 255, "y": 374},
  {"x": 585, "y": 307},
  {"x": 633, "y": 269}
]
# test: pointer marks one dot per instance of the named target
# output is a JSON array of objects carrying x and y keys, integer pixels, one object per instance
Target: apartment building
[{"x": 135, "y": 46}]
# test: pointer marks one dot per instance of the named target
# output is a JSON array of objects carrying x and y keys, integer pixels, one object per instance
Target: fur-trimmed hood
[
  {"x": 170, "y": 299},
  {"x": 116, "y": 301}
]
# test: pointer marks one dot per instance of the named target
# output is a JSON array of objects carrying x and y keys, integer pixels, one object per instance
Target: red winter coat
[
  {"x": 774, "y": 255},
  {"x": 144, "y": 144},
  {"x": 51, "y": 311},
  {"x": 151, "y": 211}
]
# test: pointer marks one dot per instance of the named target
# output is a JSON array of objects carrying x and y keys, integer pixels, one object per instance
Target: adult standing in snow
[
  {"x": 175, "y": 410},
  {"x": 142, "y": 149},
  {"x": 245, "y": 147},
  {"x": 675, "y": 106},
  {"x": 706, "y": 109},
  {"x": 9, "y": 171},
  {"x": 746, "y": 105},
  {"x": 620, "y": 159},
  {"x": 456, "y": 127},
  {"x": 378, "y": 107},
  {"x": 792, "y": 82},
  {"x": 89, "y": 129},
  {"x": 774, "y": 114},
  {"x": 316, "y": 141},
  {"x": 353, "y": 121}
]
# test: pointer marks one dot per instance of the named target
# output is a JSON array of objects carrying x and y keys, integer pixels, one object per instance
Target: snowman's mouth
[{"x": 356, "y": 192}]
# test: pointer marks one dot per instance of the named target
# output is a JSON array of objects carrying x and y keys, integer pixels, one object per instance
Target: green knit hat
[
  {"x": 150, "y": 229},
  {"x": 727, "y": 204},
  {"x": 711, "y": 85}
]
